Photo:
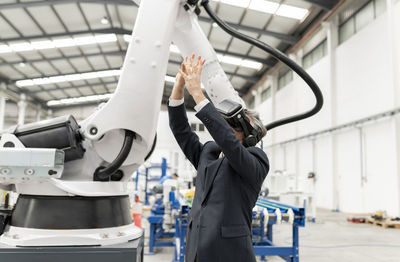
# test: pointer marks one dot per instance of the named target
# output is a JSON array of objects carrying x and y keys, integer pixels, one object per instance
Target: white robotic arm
[{"x": 135, "y": 105}]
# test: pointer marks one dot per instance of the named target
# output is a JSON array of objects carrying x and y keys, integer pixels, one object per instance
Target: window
[
  {"x": 265, "y": 94},
  {"x": 285, "y": 79},
  {"x": 201, "y": 127},
  {"x": 316, "y": 54},
  {"x": 366, "y": 14},
  {"x": 380, "y": 7},
  {"x": 346, "y": 30},
  {"x": 193, "y": 126}
]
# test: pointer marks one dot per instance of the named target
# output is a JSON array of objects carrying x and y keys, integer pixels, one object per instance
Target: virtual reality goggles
[{"x": 234, "y": 114}]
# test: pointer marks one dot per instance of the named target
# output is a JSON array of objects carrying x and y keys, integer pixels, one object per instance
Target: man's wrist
[
  {"x": 177, "y": 93},
  {"x": 198, "y": 97}
]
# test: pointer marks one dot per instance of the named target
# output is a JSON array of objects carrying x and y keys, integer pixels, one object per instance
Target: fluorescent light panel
[
  {"x": 292, "y": 12},
  {"x": 75, "y": 77},
  {"x": 79, "y": 100},
  {"x": 269, "y": 7},
  {"x": 58, "y": 43}
]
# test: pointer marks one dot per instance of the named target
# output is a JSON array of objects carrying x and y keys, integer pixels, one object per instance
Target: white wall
[{"x": 365, "y": 168}]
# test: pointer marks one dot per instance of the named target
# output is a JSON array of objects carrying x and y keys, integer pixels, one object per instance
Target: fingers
[
  {"x": 183, "y": 68},
  {"x": 192, "y": 65},
  {"x": 192, "y": 59},
  {"x": 198, "y": 61},
  {"x": 184, "y": 75}
]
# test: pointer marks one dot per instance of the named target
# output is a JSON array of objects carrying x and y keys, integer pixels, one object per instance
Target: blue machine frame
[
  {"x": 163, "y": 166},
  {"x": 263, "y": 241},
  {"x": 176, "y": 238}
]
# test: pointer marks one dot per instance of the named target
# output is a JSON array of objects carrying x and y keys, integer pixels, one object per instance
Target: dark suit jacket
[{"x": 227, "y": 188}]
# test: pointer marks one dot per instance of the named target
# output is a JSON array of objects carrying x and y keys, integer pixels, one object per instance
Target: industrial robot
[{"x": 72, "y": 177}]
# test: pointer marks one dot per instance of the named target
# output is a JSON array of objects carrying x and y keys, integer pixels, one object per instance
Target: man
[{"x": 229, "y": 176}]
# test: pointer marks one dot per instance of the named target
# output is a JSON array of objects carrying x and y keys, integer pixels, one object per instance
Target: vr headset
[{"x": 234, "y": 114}]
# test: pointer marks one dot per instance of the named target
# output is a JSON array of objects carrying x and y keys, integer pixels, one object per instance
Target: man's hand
[
  {"x": 179, "y": 86},
  {"x": 191, "y": 72}
]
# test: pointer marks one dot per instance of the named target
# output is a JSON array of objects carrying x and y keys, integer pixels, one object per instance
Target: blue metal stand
[
  {"x": 163, "y": 166},
  {"x": 180, "y": 234},
  {"x": 263, "y": 241}
]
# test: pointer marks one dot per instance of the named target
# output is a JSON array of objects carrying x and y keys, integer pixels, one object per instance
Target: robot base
[
  {"x": 127, "y": 252},
  {"x": 71, "y": 228},
  {"x": 70, "y": 221}
]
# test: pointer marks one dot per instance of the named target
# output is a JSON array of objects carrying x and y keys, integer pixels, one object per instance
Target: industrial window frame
[
  {"x": 266, "y": 93},
  {"x": 351, "y": 22},
  {"x": 285, "y": 79},
  {"x": 310, "y": 58}
]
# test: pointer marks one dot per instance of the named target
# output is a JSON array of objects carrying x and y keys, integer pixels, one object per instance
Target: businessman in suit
[{"x": 229, "y": 175}]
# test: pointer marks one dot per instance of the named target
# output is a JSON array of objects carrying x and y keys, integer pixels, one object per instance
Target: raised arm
[
  {"x": 178, "y": 122},
  {"x": 250, "y": 163}
]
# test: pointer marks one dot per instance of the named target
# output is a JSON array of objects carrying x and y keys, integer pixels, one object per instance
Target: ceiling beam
[
  {"x": 266, "y": 62},
  {"x": 285, "y": 38},
  {"x": 245, "y": 77},
  {"x": 324, "y": 4},
  {"x": 57, "y": 2}
]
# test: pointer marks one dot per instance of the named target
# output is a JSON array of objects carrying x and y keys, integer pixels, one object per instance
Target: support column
[
  {"x": 298, "y": 58},
  {"x": 49, "y": 114},
  {"x": 394, "y": 41},
  {"x": 2, "y": 109},
  {"x": 257, "y": 97},
  {"x": 274, "y": 88},
  {"x": 22, "y": 109},
  {"x": 38, "y": 113},
  {"x": 332, "y": 31}
]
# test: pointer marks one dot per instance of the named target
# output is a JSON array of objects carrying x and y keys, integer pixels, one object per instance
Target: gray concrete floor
[{"x": 330, "y": 239}]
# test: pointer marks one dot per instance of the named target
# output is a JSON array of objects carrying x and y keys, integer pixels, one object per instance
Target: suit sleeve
[
  {"x": 187, "y": 140},
  {"x": 250, "y": 163}
]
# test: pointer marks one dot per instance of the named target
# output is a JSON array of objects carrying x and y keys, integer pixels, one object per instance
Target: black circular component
[
  {"x": 93, "y": 131},
  {"x": 9, "y": 144},
  {"x": 153, "y": 146},
  {"x": 64, "y": 212},
  {"x": 52, "y": 172},
  {"x": 96, "y": 177},
  {"x": 103, "y": 173},
  {"x": 117, "y": 176}
]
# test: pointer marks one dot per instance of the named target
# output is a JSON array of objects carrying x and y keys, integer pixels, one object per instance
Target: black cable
[
  {"x": 103, "y": 173},
  {"x": 152, "y": 148},
  {"x": 281, "y": 57}
]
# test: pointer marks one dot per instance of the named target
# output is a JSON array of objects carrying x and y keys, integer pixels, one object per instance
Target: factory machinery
[
  {"x": 168, "y": 226},
  {"x": 268, "y": 213},
  {"x": 168, "y": 221},
  {"x": 72, "y": 177},
  {"x": 163, "y": 166}
]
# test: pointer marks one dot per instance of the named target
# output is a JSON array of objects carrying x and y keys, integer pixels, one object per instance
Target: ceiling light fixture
[
  {"x": 57, "y": 43},
  {"x": 269, "y": 7},
  {"x": 79, "y": 100},
  {"x": 104, "y": 21},
  {"x": 75, "y": 77}
]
